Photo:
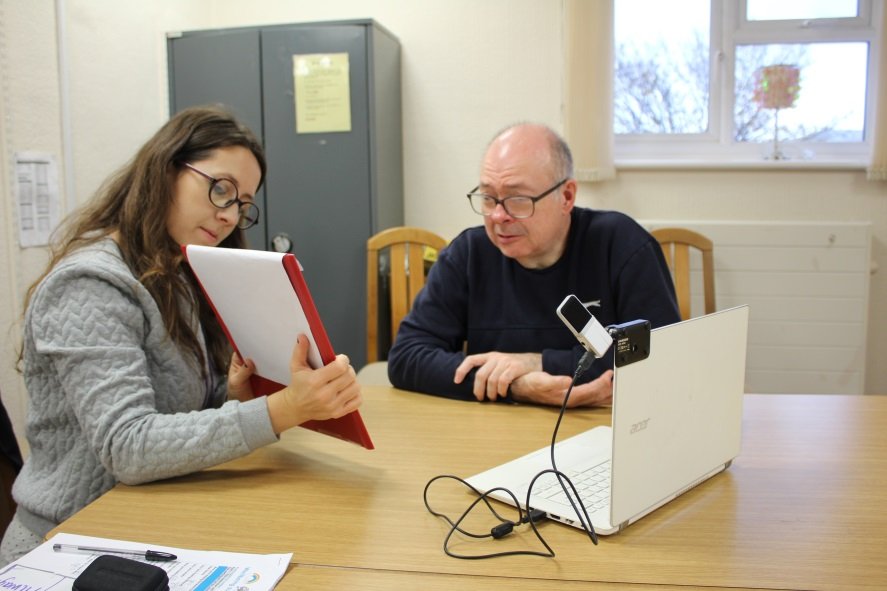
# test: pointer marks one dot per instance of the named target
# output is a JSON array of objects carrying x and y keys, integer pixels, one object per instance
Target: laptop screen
[{"x": 677, "y": 415}]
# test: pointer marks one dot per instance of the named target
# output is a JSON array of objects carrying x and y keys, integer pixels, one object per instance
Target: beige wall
[{"x": 469, "y": 67}]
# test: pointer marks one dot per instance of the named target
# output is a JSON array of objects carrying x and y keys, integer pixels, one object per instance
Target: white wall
[{"x": 469, "y": 68}]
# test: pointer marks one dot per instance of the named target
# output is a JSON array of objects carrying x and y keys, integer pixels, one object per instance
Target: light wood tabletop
[
  {"x": 323, "y": 577},
  {"x": 802, "y": 507}
]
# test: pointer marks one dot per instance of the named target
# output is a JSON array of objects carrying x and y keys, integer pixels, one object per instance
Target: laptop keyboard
[{"x": 592, "y": 484}]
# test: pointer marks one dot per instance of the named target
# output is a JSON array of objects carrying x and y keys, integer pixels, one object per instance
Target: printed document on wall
[
  {"x": 322, "y": 92},
  {"x": 37, "y": 197}
]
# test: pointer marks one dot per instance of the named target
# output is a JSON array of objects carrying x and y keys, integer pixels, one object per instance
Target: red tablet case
[{"x": 351, "y": 426}]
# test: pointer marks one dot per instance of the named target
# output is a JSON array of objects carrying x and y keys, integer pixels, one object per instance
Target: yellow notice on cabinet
[{"x": 323, "y": 92}]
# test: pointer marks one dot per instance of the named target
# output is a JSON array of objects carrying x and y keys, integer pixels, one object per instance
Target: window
[{"x": 744, "y": 81}]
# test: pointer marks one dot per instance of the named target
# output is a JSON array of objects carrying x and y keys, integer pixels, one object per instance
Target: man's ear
[{"x": 569, "y": 192}]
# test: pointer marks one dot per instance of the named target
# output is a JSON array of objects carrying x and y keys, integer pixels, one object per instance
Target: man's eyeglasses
[
  {"x": 517, "y": 206},
  {"x": 223, "y": 194}
]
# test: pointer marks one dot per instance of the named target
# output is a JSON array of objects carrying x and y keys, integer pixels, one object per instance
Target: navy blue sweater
[{"x": 475, "y": 294}]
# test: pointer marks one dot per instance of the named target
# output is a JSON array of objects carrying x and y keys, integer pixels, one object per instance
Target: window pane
[
  {"x": 830, "y": 104},
  {"x": 765, "y": 10},
  {"x": 661, "y": 70}
]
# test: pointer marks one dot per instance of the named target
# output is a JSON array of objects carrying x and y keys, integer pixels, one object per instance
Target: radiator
[{"x": 807, "y": 286}]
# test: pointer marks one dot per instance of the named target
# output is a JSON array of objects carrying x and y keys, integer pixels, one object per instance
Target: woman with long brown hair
[{"x": 124, "y": 362}]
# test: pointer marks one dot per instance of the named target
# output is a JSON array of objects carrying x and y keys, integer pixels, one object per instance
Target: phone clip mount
[{"x": 632, "y": 341}]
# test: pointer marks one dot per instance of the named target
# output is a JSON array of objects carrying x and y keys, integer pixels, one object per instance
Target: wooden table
[{"x": 803, "y": 507}]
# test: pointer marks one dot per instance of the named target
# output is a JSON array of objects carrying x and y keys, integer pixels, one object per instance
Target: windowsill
[
  {"x": 756, "y": 157},
  {"x": 689, "y": 163}
]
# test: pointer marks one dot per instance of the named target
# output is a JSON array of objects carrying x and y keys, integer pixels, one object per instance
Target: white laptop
[{"x": 677, "y": 421}]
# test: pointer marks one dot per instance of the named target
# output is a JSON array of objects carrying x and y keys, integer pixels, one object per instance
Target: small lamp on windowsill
[{"x": 777, "y": 87}]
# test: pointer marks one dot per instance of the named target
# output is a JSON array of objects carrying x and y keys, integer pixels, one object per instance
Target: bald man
[{"x": 485, "y": 327}]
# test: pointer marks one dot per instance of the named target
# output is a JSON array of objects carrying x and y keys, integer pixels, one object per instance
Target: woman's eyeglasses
[{"x": 223, "y": 194}]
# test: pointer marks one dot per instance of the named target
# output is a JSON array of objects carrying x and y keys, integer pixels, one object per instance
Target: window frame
[{"x": 715, "y": 147}]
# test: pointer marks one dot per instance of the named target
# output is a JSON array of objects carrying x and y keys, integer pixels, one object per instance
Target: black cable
[
  {"x": 532, "y": 516},
  {"x": 584, "y": 363},
  {"x": 504, "y": 528}
]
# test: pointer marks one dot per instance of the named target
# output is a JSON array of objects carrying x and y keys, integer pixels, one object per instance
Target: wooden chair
[
  {"x": 676, "y": 244},
  {"x": 406, "y": 272}
]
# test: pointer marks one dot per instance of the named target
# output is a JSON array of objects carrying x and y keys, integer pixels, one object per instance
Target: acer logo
[{"x": 639, "y": 426}]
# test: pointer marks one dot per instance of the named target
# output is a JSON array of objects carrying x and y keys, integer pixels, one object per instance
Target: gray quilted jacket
[{"x": 112, "y": 399}]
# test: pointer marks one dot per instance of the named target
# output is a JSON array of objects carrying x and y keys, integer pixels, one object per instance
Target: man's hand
[
  {"x": 497, "y": 371},
  {"x": 543, "y": 388}
]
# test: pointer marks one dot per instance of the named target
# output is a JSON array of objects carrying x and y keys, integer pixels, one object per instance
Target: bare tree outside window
[
  {"x": 669, "y": 82},
  {"x": 656, "y": 91}
]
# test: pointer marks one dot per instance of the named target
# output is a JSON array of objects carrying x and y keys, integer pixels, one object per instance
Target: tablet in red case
[{"x": 262, "y": 302}]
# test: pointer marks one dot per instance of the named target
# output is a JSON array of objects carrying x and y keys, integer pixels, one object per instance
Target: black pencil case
[{"x": 114, "y": 573}]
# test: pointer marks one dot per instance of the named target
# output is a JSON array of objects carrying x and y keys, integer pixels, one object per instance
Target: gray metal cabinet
[{"x": 327, "y": 192}]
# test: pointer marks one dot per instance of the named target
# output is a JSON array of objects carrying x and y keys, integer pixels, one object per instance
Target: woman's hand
[
  {"x": 239, "y": 373},
  {"x": 328, "y": 392}
]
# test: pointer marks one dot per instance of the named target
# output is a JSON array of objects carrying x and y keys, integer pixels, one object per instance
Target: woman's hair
[{"x": 135, "y": 202}]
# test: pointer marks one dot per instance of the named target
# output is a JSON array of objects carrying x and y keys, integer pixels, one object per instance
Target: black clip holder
[
  {"x": 632, "y": 341},
  {"x": 114, "y": 573}
]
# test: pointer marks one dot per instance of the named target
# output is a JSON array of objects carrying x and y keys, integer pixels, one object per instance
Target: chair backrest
[
  {"x": 676, "y": 244},
  {"x": 406, "y": 273},
  {"x": 10, "y": 464}
]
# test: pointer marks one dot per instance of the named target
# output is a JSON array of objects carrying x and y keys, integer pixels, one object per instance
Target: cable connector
[
  {"x": 584, "y": 363},
  {"x": 502, "y": 530},
  {"x": 534, "y": 515}
]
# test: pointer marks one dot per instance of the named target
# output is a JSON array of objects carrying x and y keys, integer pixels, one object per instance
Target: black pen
[{"x": 152, "y": 555}]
